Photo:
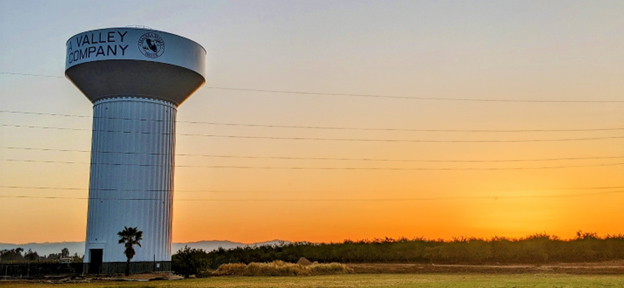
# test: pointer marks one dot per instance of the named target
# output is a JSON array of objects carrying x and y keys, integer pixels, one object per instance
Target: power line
[
  {"x": 401, "y": 140},
  {"x": 400, "y": 160},
  {"x": 406, "y": 130},
  {"x": 317, "y": 168},
  {"x": 324, "y": 127},
  {"x": 315, "y": 138},
  {"x": 28, "y": 74},
  {"x": 322, "y": 199},
  {"x": 76, "y": 198},
  {"x": 313, "y": 158},
  {"x": 416, "y": 98},
  {"x": 239, "y": 191},
  {"x": 68, "y": 189},
  {"x": 373, "y": 95},
  {"x": 44, "y": 188},
  {"x": 65, "y": 115}
]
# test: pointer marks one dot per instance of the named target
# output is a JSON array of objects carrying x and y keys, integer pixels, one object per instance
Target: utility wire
[
  {"x": 372, "y": 95},
  {"x": 66, "y": 189},
  {"x": 314, "y": 138},
  {"x": 323, "y": 127},
  {"x": 321, "y": 200},
  {"x": 401, "y": 140},
  {"x": 311, "y": 158},
  {"x": 27, "y": 74},
  {"x": 315, "y": 168},
  {"x": 415, "y": 98}
]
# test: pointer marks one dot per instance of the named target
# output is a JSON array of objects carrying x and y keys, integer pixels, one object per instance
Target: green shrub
[{"x": 188, "y": 261}]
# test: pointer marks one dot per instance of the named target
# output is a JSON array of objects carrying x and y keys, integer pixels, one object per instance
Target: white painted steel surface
[
  {"x": 135, "y": 78},
  {"x": 133, "y": 62},
  {"x": 135, "y": 44},
  {"x": 132, "y": 165}
]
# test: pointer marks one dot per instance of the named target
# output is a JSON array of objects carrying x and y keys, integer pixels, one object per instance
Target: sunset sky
[{"x": 418, "y": 153}]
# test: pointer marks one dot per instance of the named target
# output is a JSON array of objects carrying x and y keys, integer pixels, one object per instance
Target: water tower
[{"x": 135, "y": 78}]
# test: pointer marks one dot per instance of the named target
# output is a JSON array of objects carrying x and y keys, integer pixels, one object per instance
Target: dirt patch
[
  {"x": 140, "y": 277},
  {"x": 601, "y": 268}
]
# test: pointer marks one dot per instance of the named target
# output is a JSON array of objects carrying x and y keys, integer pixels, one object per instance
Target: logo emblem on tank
[{"x": 151, "y": 45}]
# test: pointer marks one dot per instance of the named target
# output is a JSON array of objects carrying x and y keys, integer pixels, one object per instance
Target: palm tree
[{"x": 129, "y": 237}]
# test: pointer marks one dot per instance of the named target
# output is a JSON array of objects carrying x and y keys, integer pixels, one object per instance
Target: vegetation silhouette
[
  {"x": 14, "y": 256},
  {"x": 130, "y": 236},
  {"x": 537, "y": 248},
  {"x": 189, "y": 261}
]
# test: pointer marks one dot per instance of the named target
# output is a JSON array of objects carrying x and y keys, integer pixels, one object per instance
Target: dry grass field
[{"x": 362, "y": 280}]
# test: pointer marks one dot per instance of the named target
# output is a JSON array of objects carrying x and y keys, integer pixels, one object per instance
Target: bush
[{"x": 188, "y": 261}]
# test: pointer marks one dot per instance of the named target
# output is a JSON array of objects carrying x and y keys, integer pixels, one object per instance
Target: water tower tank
[{"x": 135, "y": 78}]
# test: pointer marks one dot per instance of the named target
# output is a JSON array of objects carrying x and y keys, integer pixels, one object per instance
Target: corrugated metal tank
[
  {"x": 132, "y": 165},
  {"x": 135, "y": 79}
]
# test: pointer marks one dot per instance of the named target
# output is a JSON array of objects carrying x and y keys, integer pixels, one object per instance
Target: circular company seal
[{"x": 151, "y": 45}]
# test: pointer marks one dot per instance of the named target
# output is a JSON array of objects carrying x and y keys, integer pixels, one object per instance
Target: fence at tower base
[
  {"x": 38, "y": 270},
  {"x": 42, "y": 270},
  {"x": 108, "y": 268}
]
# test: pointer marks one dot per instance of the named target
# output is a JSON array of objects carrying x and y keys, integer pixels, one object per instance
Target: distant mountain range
[
  {"x": 214, "y": 245},
  {"x": 78, "y": 247}
]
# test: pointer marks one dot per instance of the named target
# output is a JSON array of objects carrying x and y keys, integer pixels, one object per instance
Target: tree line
[
  {"x": 15, "y": 255},
  {"x": 536, "y": 248}
]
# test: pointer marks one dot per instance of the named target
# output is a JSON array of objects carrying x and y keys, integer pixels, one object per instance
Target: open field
[
  {"x": 367, "y": 280},
  {"x": 590, "y": 268}
]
